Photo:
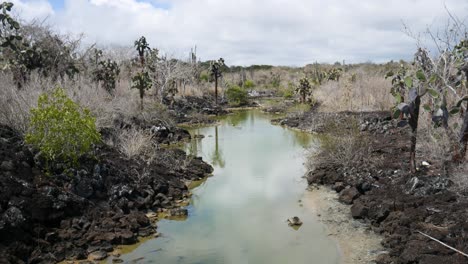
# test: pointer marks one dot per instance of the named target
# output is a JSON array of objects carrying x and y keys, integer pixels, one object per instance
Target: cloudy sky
[{"x": 244, "y": 32}]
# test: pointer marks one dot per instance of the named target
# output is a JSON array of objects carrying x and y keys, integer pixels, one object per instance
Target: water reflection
[
  {"x": 217, "y": 156},
  {"x": 239, "y": 215}
]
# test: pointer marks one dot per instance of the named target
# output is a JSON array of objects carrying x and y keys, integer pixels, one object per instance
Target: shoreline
[{"x": 355, "y": 241}]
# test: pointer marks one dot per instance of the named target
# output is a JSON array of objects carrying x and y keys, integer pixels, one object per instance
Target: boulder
[
  {"x": 348, "y": 195},
  {"x": 97, "y": 255},
  {"x": 359, "y": 210}
]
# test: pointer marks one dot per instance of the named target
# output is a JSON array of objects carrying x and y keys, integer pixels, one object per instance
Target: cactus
[
  {"x": 216, "y": 72},
  {"x": 304, "y": 89},
  {"x": 142, "y": 82},
  {"x": 141, "y": 46}
]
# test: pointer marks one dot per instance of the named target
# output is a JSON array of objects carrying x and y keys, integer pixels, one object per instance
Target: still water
[{"x": 239, "y": 215}]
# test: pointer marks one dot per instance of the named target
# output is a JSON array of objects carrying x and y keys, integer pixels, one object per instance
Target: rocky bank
[
  {"x": 382, "y": 192},
  {"x": 84, "y": 212}
]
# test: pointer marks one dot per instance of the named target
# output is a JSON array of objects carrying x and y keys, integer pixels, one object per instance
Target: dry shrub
[
  {"x": 15, "y": 104},
  {"x": 369, "y": 92},
  {"x": 460, "y": 178},
  {"x": 135, "y": 143},
  {"x": 347, "y": 147}
]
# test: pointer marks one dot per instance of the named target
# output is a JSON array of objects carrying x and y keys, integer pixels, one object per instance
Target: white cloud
[
  {"x": 286, "y": 32},
  {"x": 30, "y": 10}
]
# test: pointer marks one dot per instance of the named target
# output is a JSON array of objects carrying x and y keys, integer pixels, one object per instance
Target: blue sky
[{"x": 58, "y": 4}]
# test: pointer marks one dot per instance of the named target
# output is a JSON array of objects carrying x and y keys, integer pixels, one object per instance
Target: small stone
[
  {"x": 426, "y": 164},
  {"x": 7, "y": 165},
  {"x": 294, "y": 221},
  {"x": 97, "y": 255}
]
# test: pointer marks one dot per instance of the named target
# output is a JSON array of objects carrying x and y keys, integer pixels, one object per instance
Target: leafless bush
[
  {"x": 15, "y": 104},
  {"x": 367, "y": 92},
  {"x": 135, "y": 143},
  {"x": 342, "y": 146}
]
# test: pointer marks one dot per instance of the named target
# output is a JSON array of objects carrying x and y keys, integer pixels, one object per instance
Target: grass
[
  {"x": 369, "y": 92},
  {"x": 339, "y": 145}
]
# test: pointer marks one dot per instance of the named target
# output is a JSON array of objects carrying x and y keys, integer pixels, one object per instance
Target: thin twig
[{"x": 443, "y": 244}]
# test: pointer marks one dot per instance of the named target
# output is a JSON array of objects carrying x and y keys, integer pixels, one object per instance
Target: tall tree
[{"x": 216, "y": 72}]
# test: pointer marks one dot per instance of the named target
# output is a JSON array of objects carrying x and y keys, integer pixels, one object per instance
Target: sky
[{"x": 245, "y": 32}]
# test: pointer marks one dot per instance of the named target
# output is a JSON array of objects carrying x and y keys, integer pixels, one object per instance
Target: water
[{"x": 239, "y": 215}]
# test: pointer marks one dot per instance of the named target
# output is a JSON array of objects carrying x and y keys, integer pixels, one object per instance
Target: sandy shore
[{"x": 356, "y": 242}]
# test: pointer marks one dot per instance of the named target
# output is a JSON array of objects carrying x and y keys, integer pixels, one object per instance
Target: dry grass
[
  {"x": 135, "y": 143},
  {"x": 369, "y": 92},
  {"x": 341, "y": 146},
  {"x": 15, "y": 104}
]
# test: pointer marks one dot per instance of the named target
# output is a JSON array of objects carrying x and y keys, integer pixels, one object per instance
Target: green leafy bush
[
  {"x": 288, "y": 92},
  {"x": 249, "y": 84},
  {"x": 61, "y": 129},
  {"x": 204, "y": 77},
  {"x": 236, "y": 96}
]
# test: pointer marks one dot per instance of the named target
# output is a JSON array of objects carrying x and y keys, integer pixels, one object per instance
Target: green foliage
[
  {"x": 304, "y": 89},
  {"x": 142, "y": 82},
  {"x": 61, "y": 129},
  {"x": 216, "y": 69},
  {"x": 334, "y": 74},
  {"x": 24, "y": 49},
  {"x": 9, "y": 27},
  {"x": 237, "y": 96},
  {"x": 204, "y": 77},
  {"x": 107, "y": 72},
  {"x": 249, "y": 84},
  {"x": 141, "y": 46},
  {"x": 216, "y": 72},
  {"x": 288, "y": 92}
]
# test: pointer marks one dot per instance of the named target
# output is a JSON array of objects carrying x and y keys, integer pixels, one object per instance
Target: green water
[{"x": 239, "y": 215}]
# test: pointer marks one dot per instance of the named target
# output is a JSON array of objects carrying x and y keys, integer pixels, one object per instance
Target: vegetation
[
  {"x": 107, "y": 72},
  {"x": 441, "y": 78},
  {"x": 142, "y": 46},
  {"x": 216, "y": 72},
  {"x": 142, "y": 82},
  {"x": 304, "y": 89},
  {"x": 237, "y": 96},
  {"x": 61, "y": 129}
]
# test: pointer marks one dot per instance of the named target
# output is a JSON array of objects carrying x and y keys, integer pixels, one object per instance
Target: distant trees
[{"x": 216, "y": 72}]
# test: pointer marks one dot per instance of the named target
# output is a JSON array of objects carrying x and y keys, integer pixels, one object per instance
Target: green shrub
[
  {"x": 288, "y": 92},
  {"x": 61, "y": 129},
  {"x": 236, "y": 96},
  {"x": 249, "y": 84},
  {"x": 204, "y": 77}
]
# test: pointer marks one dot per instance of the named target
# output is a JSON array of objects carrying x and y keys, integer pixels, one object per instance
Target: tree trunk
[
  {"x": 413, "y": 122},
  {"x": 413, "y": 151},
  {"x": 216, "y": 90},
  {"x": 464, "y": 136},
  {"x": 142, "y": 94}
]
